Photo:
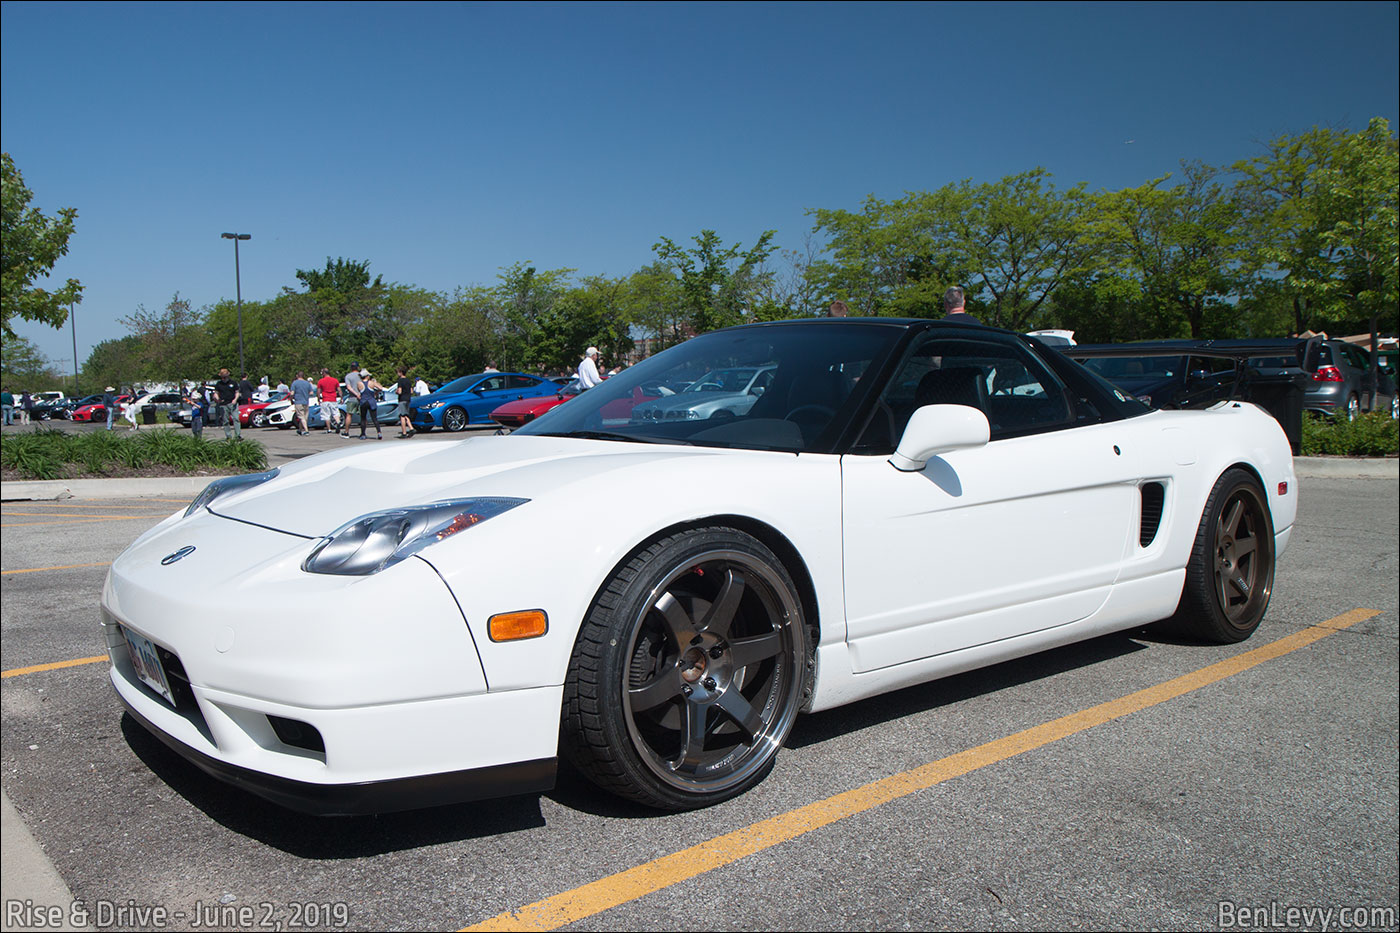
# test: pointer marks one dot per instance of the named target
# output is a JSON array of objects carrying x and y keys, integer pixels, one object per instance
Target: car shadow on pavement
[
  {"x": 327, "y": 837},
  {"x": 920, "y": 698}
]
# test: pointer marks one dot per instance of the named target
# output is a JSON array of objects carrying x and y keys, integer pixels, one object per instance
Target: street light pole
[
  {"x": 73, "y": 321},
  {"x": 238, "y": 285}
]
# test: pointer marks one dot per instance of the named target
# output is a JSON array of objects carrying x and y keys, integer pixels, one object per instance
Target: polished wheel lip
[
  {"x": 1242, "y": 580},
  {"x": 714, "y": 671}
]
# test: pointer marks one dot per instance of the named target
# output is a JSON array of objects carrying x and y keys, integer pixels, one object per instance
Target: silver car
[{"x": 719, "y": 394}]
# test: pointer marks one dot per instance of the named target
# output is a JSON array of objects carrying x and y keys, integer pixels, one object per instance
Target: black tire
[
  {"x": 455, "y": 419},
  {"x": 688, "y": 671},
  {"x": 1230, "y": 576}
]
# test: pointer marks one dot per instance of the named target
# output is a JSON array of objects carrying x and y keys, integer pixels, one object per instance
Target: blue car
[{"x": 471, "y": 399}]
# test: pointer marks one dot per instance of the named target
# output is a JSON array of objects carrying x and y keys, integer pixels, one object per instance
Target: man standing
[
  {"x": 354, "y": 387},
  {"x": 301, "y": 390},
  {"x": 953, "y": 303},
  {"x": 588, "y": 369},
  {"x": 227, "y": 397},
  {"x": 328, "y": 387},
  {"x": 109, "y": 403}
]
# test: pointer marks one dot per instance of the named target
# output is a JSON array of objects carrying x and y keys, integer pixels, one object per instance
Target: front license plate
[{"x": 147, "y": 663}]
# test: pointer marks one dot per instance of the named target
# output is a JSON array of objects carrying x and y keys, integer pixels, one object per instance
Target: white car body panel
[{"x": 985, "y": 554}]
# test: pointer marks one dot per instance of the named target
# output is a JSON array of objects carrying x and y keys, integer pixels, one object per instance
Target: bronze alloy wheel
[
  {"x": 1230, "y": 575},
  {"x": 684, "y": 687}
]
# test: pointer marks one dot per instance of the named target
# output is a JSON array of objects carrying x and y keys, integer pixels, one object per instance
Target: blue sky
[{"x": 444, "y": 141}]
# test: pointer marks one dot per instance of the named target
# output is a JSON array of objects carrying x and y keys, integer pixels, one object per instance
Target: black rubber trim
[{"x": 414, "y": 793}]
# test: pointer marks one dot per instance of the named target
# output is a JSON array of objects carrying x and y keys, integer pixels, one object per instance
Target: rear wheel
[
  {"x": 688, "y": 672},
  {"x": 1353, "y": 407},
  {"x": 1230, "y": 576}
]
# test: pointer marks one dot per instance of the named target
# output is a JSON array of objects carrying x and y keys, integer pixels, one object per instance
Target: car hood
[{"x": 315, "y": 496}]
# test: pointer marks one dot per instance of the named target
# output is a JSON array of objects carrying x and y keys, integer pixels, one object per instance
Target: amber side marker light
[{"x": 513, "y": 626}]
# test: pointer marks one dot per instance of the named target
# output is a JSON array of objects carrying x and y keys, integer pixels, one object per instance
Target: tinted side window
[
  {"x": 1016, "y": 392},
  {"x": 521, "y": 382}
]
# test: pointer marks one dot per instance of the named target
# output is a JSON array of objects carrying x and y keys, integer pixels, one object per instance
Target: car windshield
[
  {"x": 1134, "y": 367},
  {"x": 788, "y": 386}
]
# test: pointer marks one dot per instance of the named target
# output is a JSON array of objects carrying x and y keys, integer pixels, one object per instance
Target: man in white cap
[{"x": 588, "y": 369}]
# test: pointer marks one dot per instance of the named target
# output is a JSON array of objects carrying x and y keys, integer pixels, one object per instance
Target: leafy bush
[
  {"x": 1372, "y": 435},
  {"x": 44, "y": 452}
]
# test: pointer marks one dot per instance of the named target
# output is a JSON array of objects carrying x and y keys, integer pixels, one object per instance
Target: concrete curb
[
  {"x": 26, "y": 874},
  {"x": 186, "y": 486},
  {"x": 1347, "y": 467}
]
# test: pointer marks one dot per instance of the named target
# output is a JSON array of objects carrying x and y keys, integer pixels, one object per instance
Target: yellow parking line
[
  {"x": 634, "y": 883},
  {"x": 55, "y": 665},
  {"x": 89, "y": 504},
  {"x": 76, "y": 521},
  {"x": 105, "y": 563}
]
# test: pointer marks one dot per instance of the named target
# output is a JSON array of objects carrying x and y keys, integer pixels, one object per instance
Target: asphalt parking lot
[{"x": 1242, "y": 787}]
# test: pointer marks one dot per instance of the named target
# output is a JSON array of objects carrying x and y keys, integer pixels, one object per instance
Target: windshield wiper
[{"x": 611, "y": 436}]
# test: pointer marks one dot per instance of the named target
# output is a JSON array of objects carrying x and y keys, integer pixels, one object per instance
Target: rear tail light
[{"x": 1328, "y": 374}]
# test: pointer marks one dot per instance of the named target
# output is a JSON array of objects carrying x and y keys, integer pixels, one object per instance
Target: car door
[{"x": 1022, "y": 534}]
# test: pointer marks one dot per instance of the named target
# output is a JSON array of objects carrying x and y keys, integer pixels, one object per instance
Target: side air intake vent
[{"x": 1153, "y": 495}]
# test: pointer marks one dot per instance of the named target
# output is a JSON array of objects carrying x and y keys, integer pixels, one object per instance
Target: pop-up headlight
[
  {"x": 228, "y": 484},
  {"x": 378, "y": 540}
]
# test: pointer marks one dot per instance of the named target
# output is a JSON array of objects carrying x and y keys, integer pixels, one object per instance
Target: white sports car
[{"x": 906, "y": 500}]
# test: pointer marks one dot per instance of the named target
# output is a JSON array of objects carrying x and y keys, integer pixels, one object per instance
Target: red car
[
  {"x": 98, "y": 411},
  {"x": 522, "y": 411},
  {"x": 251, "y": 415}
]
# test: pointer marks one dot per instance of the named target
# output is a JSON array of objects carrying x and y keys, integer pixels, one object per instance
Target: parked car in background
[
  {"x": 96, "y": 411},
  {"x": 719, "y": 394},
  {"x": 471, "y": 399},
  {"x": 1341, "y": 384},
  {"x": 56, "y": 408},
  {"x": 521, "y": 412},
  {"x": 45, "y": 397},
  {"x": 1183, "y": 381},
  {"x": 163, "y": 402}
]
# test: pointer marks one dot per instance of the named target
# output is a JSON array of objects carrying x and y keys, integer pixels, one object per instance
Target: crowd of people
[{"x": 340, "y": 400}]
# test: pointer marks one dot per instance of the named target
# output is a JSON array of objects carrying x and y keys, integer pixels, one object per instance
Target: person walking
[
  {"x": 7, "y": 404},
  {"x": 301, "y": 390},
  {"x": 354, "y": 386},
  {"x": 369, "y": 404},
  {"x": 403, "y": 387},
  {"x": 26, "y": 408},
  {"x": 328, "y": 388}
]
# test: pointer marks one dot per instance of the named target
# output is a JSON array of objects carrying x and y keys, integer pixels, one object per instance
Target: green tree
[
  {"x": 525, "y": 307},
  {"x": 173, "y": 341},
  {"x": 1183, "y": 245},
  {"x": 653, "y": 302},
  {"x": 115, "y": 363},
  {"x": 31, "y": 245},
  {"x": 718, "y": 283},
  {"x": 24, "y": 367}
]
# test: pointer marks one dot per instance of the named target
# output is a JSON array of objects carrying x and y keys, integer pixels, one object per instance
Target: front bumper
[{"x": 325, "y": 694}]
